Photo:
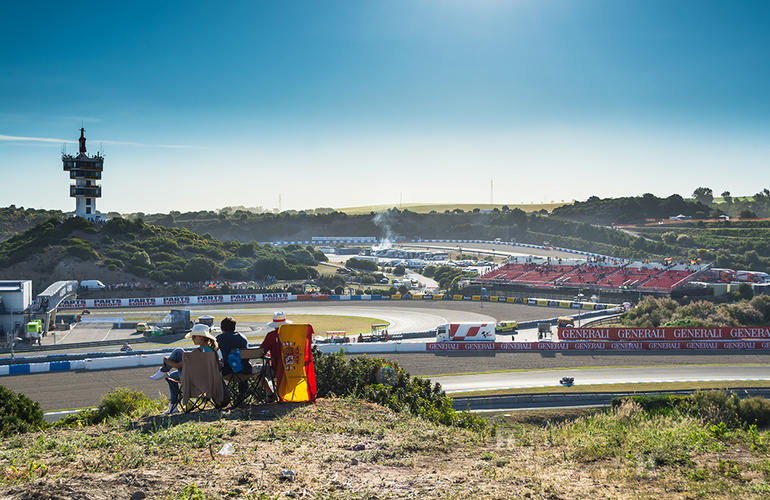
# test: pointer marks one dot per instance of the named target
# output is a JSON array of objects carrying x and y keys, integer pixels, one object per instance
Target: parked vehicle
[
  {"x": 34, "y": 330},
  {"x": 752, "y": 277},
  {"x": 507, "y": 327},
  {"x": 544, "y": 332},
  {"x": 92, "y": 285},
  {"x": 465, "y": 332}
]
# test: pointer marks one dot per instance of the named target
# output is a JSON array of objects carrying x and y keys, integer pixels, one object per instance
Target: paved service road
[{"x": 491, "y": 381}]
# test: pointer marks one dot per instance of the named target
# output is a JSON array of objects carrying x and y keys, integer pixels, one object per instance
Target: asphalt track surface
[
  {"x": 403, "y": 316},
  {"x": 84, "y": 388},
  {"x": 602, "y": 376}
]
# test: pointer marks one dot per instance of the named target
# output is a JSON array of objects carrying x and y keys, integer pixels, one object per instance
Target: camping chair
[
  {"x": 249, "y": 387},
  {"x": 201, "y": 381}
]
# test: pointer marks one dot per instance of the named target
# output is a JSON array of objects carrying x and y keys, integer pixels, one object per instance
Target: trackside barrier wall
[
  {"x": 287, "y": 297},
  {"x": 107, "y": 363},
  {"x": 373, "y": 347},
  {"x": 397, "y": 347},
  {"x": 242, "y": 298},
  {"x": 664, "y": 334},
  {"x": 598, "y": 346}
]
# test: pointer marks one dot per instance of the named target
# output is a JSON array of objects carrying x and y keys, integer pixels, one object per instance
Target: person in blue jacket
[{"x": 229, "y": 340}]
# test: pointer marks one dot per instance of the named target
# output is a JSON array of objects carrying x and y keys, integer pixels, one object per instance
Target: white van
[
  {"x": 92, "y": 285},
  {"x": 465, "y": 332}
]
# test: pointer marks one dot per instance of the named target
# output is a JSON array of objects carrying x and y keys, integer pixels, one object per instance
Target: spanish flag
[{"x": 295, "y": 373}]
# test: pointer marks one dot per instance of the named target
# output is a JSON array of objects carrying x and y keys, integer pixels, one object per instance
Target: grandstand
[{"x": 593, "y": 273}]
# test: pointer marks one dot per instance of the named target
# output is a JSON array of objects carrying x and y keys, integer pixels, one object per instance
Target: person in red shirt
[{"x": 272, "y": 349}]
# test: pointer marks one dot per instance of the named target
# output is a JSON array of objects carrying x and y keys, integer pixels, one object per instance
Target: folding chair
[
  {"x": 201, "y": 381},
  {"x": 249, "y": 387}
]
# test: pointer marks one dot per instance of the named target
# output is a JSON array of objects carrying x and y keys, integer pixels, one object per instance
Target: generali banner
[
  {"x": 598, "y": 346},
  {"x": 625, "y": 334}
]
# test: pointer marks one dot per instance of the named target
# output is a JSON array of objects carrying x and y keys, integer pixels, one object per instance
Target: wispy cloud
[
  {"x": 29, "y": 139},
  {"x": 12, "y": 138}
]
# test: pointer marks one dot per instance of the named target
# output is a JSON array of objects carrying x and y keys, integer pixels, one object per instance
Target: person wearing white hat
[
  {"x": 272, "y": 347},
  {"x": 202, "y": 338}
]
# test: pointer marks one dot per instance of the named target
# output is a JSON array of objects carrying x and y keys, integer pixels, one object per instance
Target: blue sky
[{"x": 201, "y": 105}]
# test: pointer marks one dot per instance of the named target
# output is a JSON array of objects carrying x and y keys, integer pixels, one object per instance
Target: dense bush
[
  {"x": 712, "y": 407},
  {"x": 363, "y": 264},
  {"x": 18, "y": 413},
  {"x": 384, "y": 383},
  {"x": 119, "y": 402},
  {"x": 654, "y": 313},
  {"x": 653, "y": 404}
]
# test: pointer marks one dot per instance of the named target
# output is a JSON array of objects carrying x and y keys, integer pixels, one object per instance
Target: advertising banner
[
  {"x": 598, "y": 346},
  {"x": 142, "y": 302},
  {"x": 108, "y": 302},
  {"x": 209, "y": 299},
  {"x": 633, "y": 334},
  {"x": 177, "y": 301},
  {"x": 76, "y": 304}
]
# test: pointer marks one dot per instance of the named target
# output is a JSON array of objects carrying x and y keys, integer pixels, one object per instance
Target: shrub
[
  {"x": 662, "y": 404},
  {"x": 119, "y": 402},
  {"x": 81, "y": 249},
  {"x": 384, "y": 383},
  {"x": 715, "y": 407},
  {"x": 754, "y": 411},
  {"x": 123, "y": 401},
  {"x": 366, "y": 265},
  {"x": 18, "y": 413}
]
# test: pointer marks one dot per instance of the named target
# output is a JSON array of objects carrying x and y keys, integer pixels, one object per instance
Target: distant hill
[
  {"x": 426, "y": 208},
  {"x": 226, "y": 244},
  {"x": 14, "y": 220},
  {"x": 124, "y": 251},
  {"x": 631, "y": 210}
]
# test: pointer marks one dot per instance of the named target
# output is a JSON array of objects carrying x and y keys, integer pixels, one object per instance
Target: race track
[
  {"x": 78, "y": 389},
  {"x": 84, "y": 388}
]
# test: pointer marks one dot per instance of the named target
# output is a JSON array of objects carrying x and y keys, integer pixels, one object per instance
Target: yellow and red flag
[{"x": 295, "y": 373}]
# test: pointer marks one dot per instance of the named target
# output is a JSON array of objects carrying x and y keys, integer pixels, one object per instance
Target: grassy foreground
[{"x": 345, "y": 448}]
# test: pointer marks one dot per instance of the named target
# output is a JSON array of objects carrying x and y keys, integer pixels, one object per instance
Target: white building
[
  {"x": 15, "y": 300},
  {"x": 85, "y": 171}
]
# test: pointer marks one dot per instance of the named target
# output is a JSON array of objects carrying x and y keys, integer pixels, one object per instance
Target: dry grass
[{"x": 339, "y": 449}]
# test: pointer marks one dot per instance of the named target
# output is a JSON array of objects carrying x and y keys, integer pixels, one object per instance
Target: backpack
[{"x": 234, "y": 360}]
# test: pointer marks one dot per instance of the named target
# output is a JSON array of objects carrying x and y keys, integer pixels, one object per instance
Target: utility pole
[
  {"x": 13, "y": 334},
  {"x": 491, "y": 191}
]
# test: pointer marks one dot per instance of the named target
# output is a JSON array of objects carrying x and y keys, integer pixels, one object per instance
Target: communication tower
[{"x": 86, "y": 171}]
